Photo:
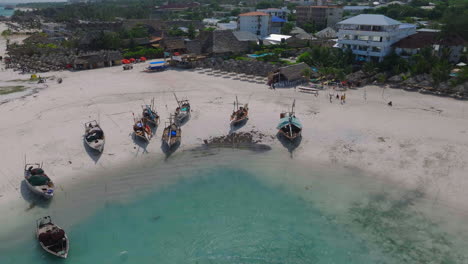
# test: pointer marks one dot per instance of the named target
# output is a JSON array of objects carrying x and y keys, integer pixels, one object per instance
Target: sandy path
[{"x": 420, "y": 142}]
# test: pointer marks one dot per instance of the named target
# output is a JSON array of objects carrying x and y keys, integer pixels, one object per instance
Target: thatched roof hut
[
  {"x": 173, "y": 44},
  {"x": 290, "y": 73}
]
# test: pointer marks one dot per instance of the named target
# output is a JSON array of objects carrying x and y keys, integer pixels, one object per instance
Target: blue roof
[
  {"x": 157, "y": 62},
  {"x": 276, "y": 19}
]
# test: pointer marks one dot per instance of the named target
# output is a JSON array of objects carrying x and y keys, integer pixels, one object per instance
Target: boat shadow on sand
[
  {"x": 184, "y": 120},
  {"x": 168, "y": 151},
  {"x": 288, "y": 144},
  {"x": 141, "y": 143},
  {"x": 92, "y": 153},
  {"x": 33, "y": 199}
]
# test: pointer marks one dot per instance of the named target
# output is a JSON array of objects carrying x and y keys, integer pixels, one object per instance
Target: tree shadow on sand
[
  {"x": 32, "y": 198},
  {"x": 290, "y": 145},
  {"x": 92, "y": 153}
]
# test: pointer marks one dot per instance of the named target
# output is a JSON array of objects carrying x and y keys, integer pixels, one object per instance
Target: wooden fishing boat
[
  {"x": 94, "y": 136},
  {"x": 142, "y": 130},
  {"x": 182, "y": 111},
  {"x": 289, "y": 126},
  {"x": 150, "y": 115},
  {"x": 37, "y": 181},
  {"x": 52, "y": 238},
  {"x": 172, "y": 134},
  {"x": 240, "y": 113}
]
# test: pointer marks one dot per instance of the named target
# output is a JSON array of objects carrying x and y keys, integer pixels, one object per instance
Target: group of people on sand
[{"x": 341, "y": 97}]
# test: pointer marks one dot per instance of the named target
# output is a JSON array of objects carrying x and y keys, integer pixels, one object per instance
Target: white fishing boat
[
  {"x": 37, "y": 181},
  {"x": 52, "y": 238},
  {"x": 94, "y": 136}
]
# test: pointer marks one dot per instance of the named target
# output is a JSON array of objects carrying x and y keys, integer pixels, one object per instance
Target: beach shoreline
[{"x": 420, "y": 142}]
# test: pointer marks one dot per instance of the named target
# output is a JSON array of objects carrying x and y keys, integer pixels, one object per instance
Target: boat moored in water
[{"x": 52, "y": 238}]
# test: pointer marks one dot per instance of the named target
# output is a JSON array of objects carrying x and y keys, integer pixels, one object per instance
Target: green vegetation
[
  {"x": 6, "y": 33},
  {"x": 11, "y": 89},
  {"x": 327, "y": 57},
  {"x": 310, "y": 27},
  {"x": 453, "y": 14},
  {"x": 47, "y": 46},
  {"x": 287, "y": 28},
  {"x": 149, "y": 53},
  {"x": 423, "y": 63},
  {"x": 455, "y": 19},
  {"x": 269, "y": 4}
]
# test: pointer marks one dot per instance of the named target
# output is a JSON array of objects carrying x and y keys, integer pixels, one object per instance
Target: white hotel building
[
  {"x": 257, "y": 23},
  {"x": 370, "y": 37}
]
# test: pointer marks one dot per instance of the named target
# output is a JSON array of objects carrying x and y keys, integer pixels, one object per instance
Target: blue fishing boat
[
  {"x": 156, "y": 66},
  {"x": 172, "y": 133},
  {"x": 289, "y": 126}
]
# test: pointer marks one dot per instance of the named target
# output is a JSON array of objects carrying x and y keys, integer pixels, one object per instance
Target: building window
[
  {"x": 377, "y": 39},
  {"x": 362, "y": 48},
  {"x": 364, "y": 38},
  {"x": 376, "y": 49}
]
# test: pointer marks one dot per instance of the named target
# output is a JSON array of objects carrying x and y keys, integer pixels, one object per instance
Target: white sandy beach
[{"x": 421, "y": 142}]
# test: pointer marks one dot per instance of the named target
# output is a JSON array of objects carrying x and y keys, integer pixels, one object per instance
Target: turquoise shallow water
[
  {"x": 220, "y": 213},
  {"x": 6, "y": 13}
]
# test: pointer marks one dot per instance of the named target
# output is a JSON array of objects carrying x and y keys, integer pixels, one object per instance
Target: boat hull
[
  {"x": 288, "y": 136},
  {"x": 236, "y": 122},
  {"x": 97, "y": 145},
  {"x": 64, "y": 254},
  {"x": 44, "y": 191}
]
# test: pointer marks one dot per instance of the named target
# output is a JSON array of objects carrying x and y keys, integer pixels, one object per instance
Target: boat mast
[
  {"x": 170, "y": 129},
  {"x": 177, "y": 99},
  {"x": 291, "y": 114}
]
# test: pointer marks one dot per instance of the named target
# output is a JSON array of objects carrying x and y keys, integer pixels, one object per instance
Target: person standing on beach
[
  {"x": 331, "y": 96},
  {"x": 344, "y": 98}
]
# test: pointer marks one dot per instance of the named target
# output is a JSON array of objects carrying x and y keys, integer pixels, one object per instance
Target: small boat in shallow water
[
  {"x": 94, "y": 136},
  {"x": 52, "y": 238},
  {"x": 37, "y": 181},
  {"x": 182, "y": 112},
  {"x": 172, "y": 134},
  {"x": 289, "y": 126},
  {"x": 240, "y": 113}
]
